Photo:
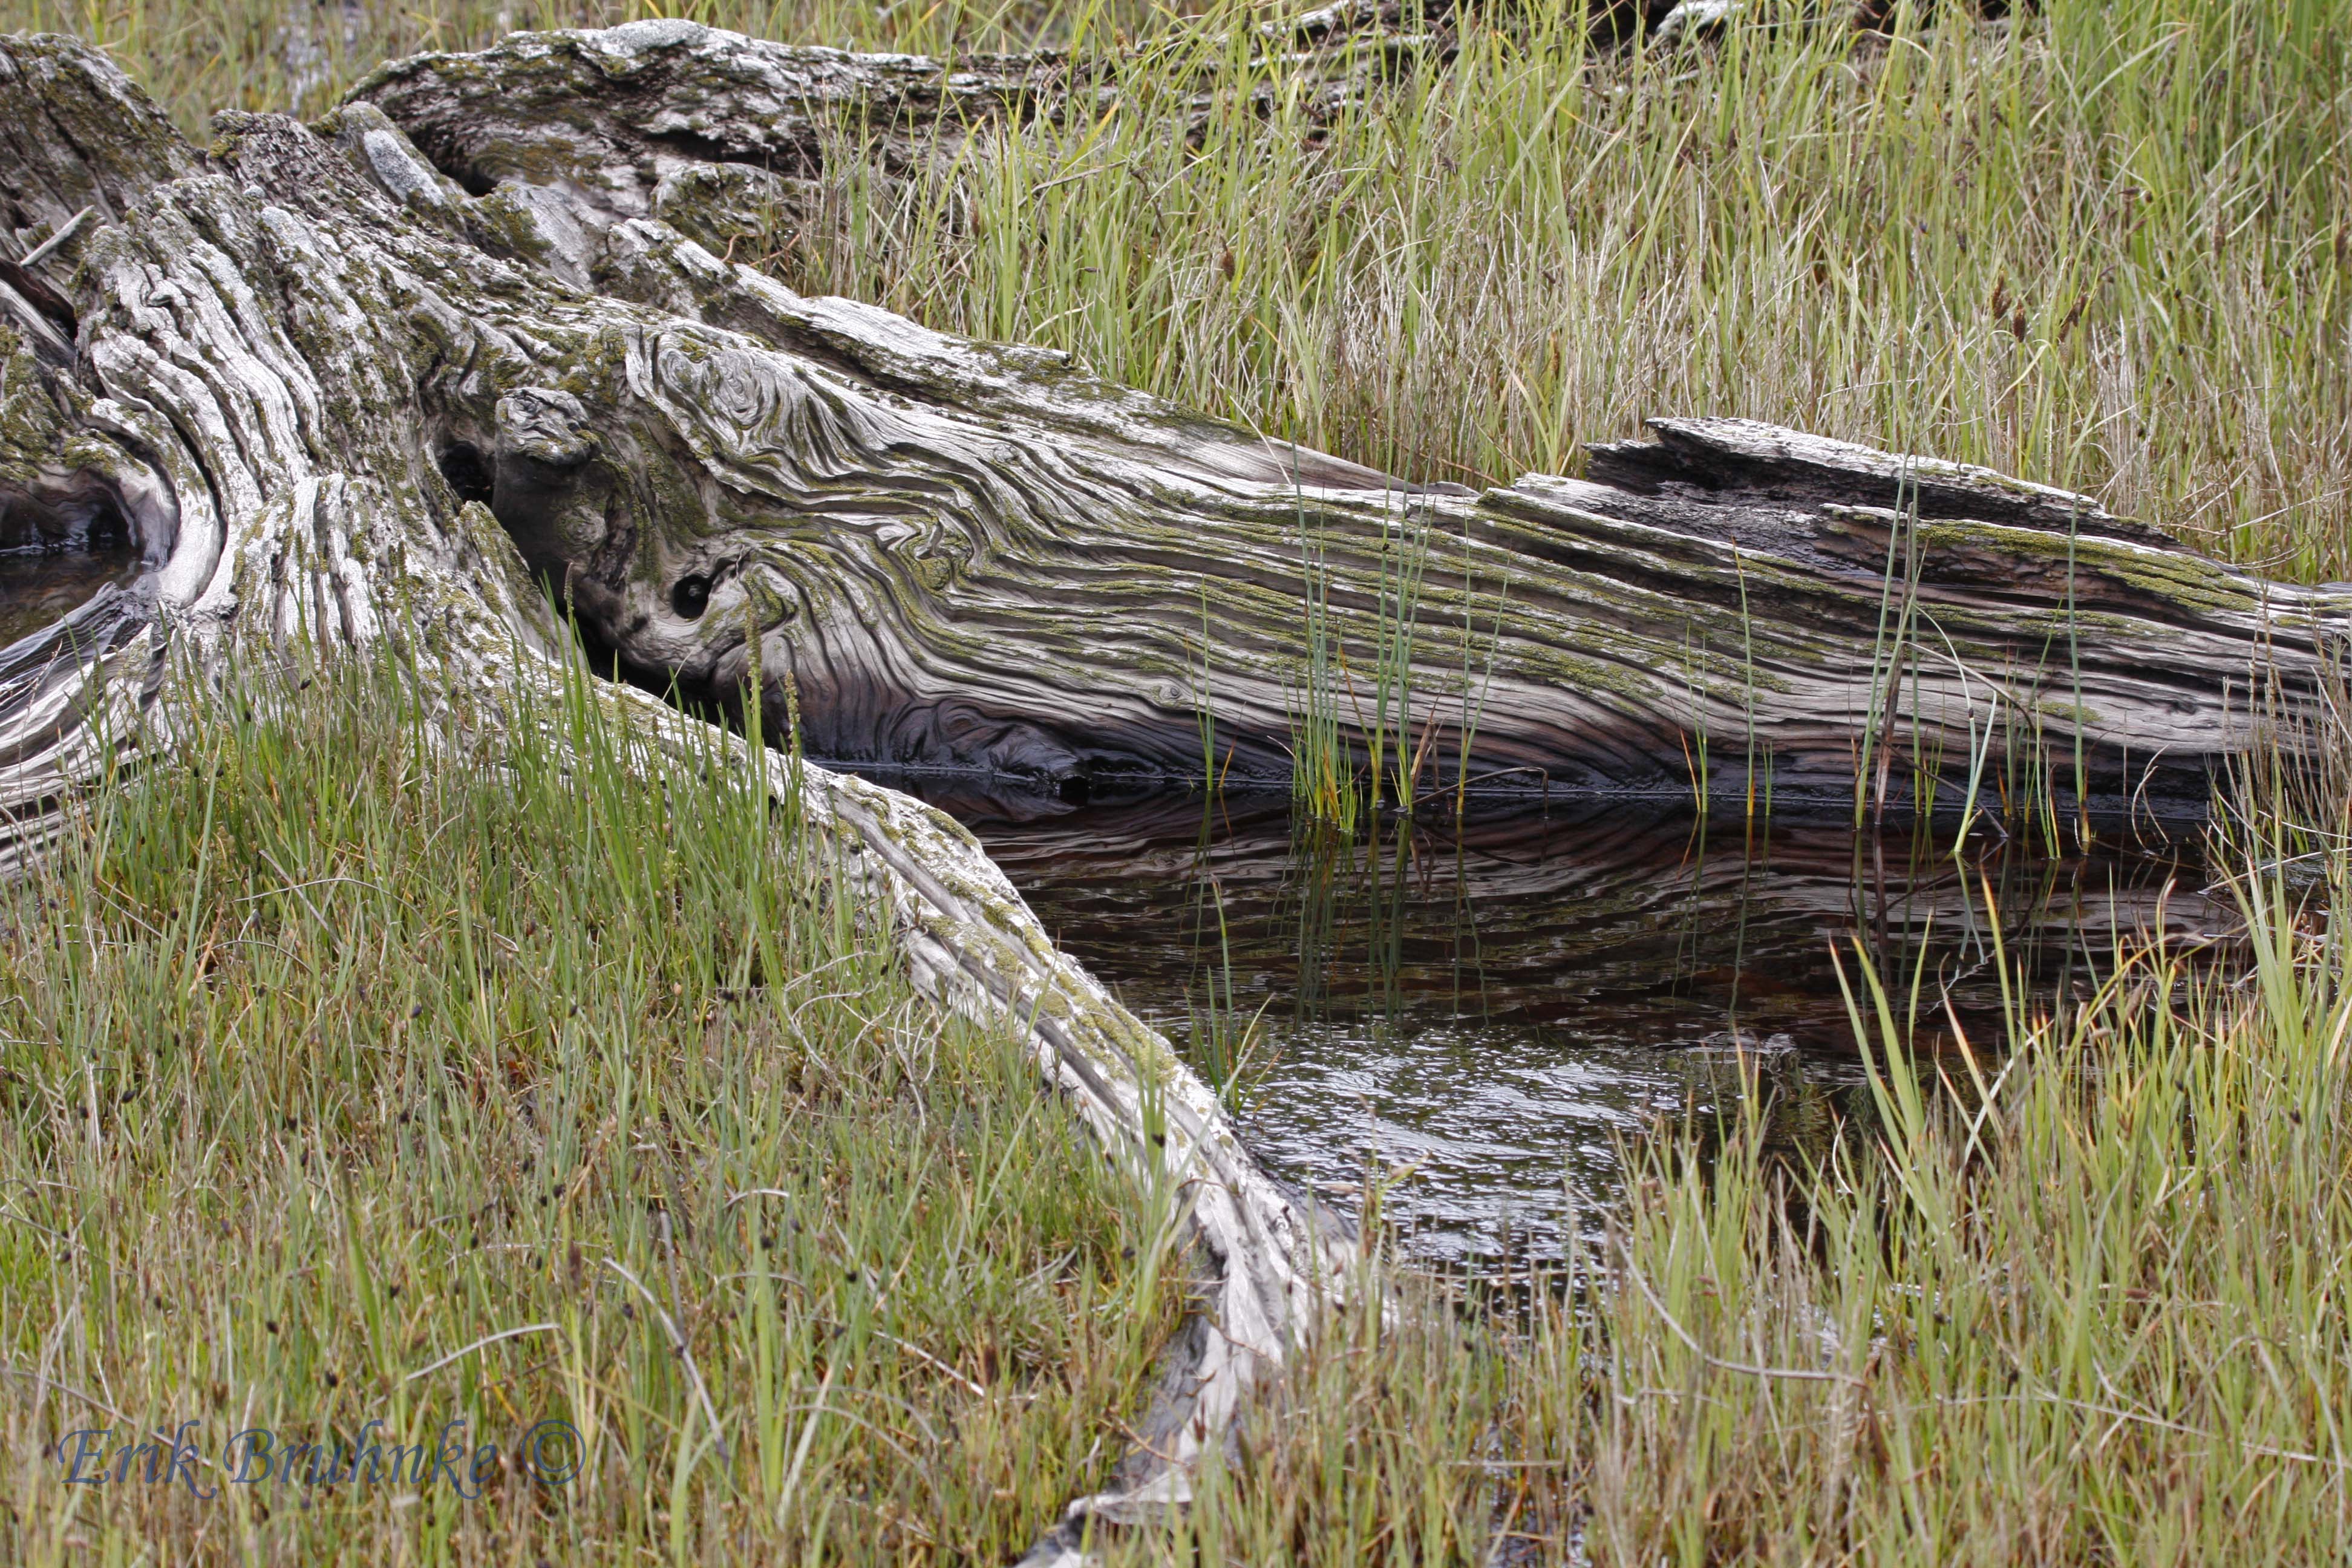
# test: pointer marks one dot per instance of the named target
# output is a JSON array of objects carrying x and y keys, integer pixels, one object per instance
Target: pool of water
[
  {"x": 40, "y": 587},
  {"x": 1498, "y": 1007}
]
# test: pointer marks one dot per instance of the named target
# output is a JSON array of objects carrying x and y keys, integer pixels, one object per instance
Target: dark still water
[
  {"x": 1499, "y": 1006},
  {"x": 39, "y": 588}
]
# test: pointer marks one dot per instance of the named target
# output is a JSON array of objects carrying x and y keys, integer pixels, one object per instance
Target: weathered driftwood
[
  {"x": 340, "y": 395},
  {"x": 975, "y": 556}
]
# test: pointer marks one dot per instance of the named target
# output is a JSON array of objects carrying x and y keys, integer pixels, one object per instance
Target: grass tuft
[
  {"x": 2077, "y": 1296},
  {"x": 350, "y": 1041}
]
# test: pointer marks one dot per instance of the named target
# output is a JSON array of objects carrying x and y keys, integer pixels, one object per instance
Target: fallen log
[
  {"x": 981, "y": 557},
  {"x": 337, "y": 396}
]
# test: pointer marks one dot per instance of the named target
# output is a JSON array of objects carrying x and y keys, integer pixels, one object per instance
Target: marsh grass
[
  {"x": 196, "y": 57},
  {"x": 2104, "y": 246},
  {"x": 2076, "y": 1298},
  {"x": 1326, "y": 778},
  {"x": 1355, "y": 749},
  {"x": 348, "y": 1041},
  {"x": 2100, "y": 245}
]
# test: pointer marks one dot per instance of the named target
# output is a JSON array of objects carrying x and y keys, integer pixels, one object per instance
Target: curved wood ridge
[{"x": 340, "y": 396}]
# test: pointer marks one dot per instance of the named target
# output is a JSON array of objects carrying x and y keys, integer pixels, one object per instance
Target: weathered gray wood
[
  {"x": 341, "y": 396},
  {"x": 976, "y": 556}
]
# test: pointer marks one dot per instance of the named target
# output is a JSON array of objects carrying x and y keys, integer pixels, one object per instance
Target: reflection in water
[
  {"x": 40, "y": 587},
  {"x": 1499, "y": 1006}
]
